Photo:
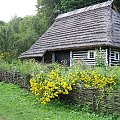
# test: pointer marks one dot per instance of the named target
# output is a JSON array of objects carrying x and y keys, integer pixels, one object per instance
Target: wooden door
[{"x": 63, "y": 57}]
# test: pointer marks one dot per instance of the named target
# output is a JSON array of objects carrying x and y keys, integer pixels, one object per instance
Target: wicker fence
[
  {"x": 13, "y": 77},
  {"x": 106, "y": 103},
  {"x": 94, "y": 100},
  {"x": 99, "y": 102}
]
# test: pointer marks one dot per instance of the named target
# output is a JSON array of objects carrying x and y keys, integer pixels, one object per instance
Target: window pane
[
  {"x": 91, "y": 54},
  {"x": 117, "y": 56}
]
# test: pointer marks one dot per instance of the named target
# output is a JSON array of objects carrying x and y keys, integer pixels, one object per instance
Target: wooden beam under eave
[{"x": 53, "y": 57}]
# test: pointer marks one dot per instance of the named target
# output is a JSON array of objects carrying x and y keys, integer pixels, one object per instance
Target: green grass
[{"x": 19, "y": 104}]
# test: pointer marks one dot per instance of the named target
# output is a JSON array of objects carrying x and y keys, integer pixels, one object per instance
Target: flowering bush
[
  {"x": 49, "y": 84},
  {"x": 95, "y": 80},
  {"x": 4, "y": 56}
]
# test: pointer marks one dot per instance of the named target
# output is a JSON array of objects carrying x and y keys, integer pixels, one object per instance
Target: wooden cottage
[{"x": 77, "y": 35}]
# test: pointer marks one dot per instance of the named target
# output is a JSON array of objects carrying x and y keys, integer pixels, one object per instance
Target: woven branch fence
[
  {"x": 13, "y": 77},
  {"x": 106, "y": 103},
  {"x": 94, "y": 100}
]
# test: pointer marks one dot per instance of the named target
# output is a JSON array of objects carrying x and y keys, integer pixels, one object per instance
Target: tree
[
  {"x": 117, "y": 5},
  {"x": 48, "y": 9},
  {"x": 68, "y": 5},
  {"x": 2, "y": 23},
  {"x": 19, "y": 34},
  {"x": 6, "y": 39},
  {"x": 27, "y": 33}
]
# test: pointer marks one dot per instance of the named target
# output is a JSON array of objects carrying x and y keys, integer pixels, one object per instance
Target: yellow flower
[{"x": 69, "y": 88}]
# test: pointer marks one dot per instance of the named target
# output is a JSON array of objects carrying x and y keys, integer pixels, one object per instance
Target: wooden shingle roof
[{"x": 89, "y": 26}]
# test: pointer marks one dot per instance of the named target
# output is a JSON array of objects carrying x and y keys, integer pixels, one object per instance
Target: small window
[
  {"x": 116, "y": 55},
  {"x": 91, "y": 54}
]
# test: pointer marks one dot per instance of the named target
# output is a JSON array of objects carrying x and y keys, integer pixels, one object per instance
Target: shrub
[
  {"x": 49, "y": 84},
  {"x": 100, "y": 59},
  {"x": 4, "y": 56},
  {"x": 25, "y": 68}
]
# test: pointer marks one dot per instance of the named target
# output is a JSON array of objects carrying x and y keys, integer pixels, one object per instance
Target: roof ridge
[{"x": 92, "y": 7}]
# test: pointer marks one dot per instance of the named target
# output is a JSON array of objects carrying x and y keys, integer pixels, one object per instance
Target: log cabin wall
[
  {"x": 83, "y": 55},
  {"x": 116, "y": 27},
  {"x": 113, "y": 59}
]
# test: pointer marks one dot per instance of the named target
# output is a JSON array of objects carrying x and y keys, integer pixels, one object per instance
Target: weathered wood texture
[
  {"x": 97, "y": 102},
  {"x": 83, "y": 28},
  {"x": 15, "y": 78},
  {"x": 116, "y": 28},
  {"x": 82, "y": 55},
  {"x": 113, "y": 61},
  {"x": 108, "y": 55}
]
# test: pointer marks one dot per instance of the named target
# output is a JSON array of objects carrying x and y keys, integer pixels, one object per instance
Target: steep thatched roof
[{"x": 89, "y": 26}]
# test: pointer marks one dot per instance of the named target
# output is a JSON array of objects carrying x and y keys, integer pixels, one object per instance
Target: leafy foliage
[
  {"x": 68, "y": 5},
  {"x": 25, "y": 68},
  {"x": 100, "y": 59},
  {"x": 117, "y": 5},
  {"x": 19, "y": 34},
  {"x": 4, "y": 56},
  {"x": 49, "y": 84}
]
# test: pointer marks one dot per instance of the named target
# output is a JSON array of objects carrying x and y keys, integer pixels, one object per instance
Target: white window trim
[
  {"x": 115, "y": 55},
  {"x": 89, "y": 51},
  {"x": 71, "y": 58}
]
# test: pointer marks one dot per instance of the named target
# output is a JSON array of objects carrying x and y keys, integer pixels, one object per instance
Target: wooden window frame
[
  {"x": 115, "y": 56},
  {"x": 91, "y": 51}
]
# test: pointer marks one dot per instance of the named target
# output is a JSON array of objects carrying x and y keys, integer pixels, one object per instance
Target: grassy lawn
[{"x": 19, "y": 104}]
